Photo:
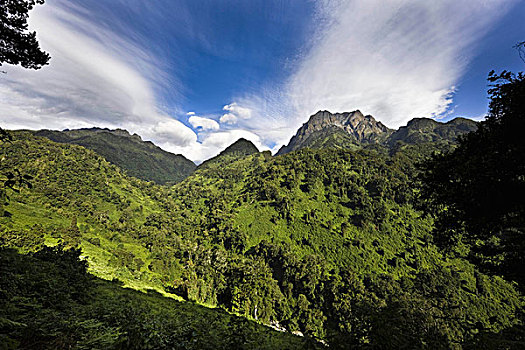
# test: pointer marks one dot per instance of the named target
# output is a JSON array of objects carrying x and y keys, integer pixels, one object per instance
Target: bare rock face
[{"x": 357, "y": 128}]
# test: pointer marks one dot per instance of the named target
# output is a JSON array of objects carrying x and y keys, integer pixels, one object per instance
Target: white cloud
[
  {"x": 396, "y": 59},
  {"x": 240, "y": 112},
  {"x": 95, "y": 78},
  {"x": 204, "y": 124},
  {"x": 174, "y": 132},
  {"x": 190, "y": 113},
  {"x": 235, "y": 112},
  {"x": 228, "y": 118}
]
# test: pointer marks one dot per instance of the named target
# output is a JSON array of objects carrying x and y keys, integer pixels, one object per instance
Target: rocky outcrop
[
  {"x": 353, "y": 130},
  {"x": 361, "y": 129}
]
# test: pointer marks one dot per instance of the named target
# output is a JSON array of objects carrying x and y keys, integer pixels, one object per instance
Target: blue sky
[
  {"x": 194, "y": 76},
  {"x": 495, "y": 51}
]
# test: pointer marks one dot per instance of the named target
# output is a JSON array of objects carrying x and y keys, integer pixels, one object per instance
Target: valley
[{"x": 326, "y": 240}]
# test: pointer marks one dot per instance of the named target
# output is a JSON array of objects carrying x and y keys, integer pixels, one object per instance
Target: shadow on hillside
[{"x": 49, "y": 301}]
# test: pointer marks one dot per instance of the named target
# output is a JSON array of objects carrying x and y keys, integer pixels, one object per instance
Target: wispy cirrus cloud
[
  {"x": 396, "y": 60},
  {"x": 95, "y": 78},
  {"x": 99, "y": 77}
]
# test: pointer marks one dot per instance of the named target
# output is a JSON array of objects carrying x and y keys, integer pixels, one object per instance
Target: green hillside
[
  {"x": 424, "y": 130},
  {"x": 141, "y": 159},
  {"x": 52, "y": 303},
  {"x": 323, "y": 242},
  {"x": 239, "y": 149},
  {"x": 80, "y": 199}
]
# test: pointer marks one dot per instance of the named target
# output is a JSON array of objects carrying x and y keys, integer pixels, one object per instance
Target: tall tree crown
[{"x": 19, "y": 46}]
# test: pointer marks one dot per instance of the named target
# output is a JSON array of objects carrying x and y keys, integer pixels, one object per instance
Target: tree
[
  {"x": 521, "y": 49},
  {"x": 18, "y": 46},
  {"x": 10, "y": 178},
  {"x": 478, "y": 190}
]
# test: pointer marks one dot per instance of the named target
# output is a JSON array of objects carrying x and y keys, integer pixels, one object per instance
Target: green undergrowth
[{"x": 50, "y": 302}]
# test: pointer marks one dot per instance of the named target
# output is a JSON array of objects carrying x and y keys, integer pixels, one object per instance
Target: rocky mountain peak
[
  {"x": 362, "y": 127},
  {"x": 351, "y": 130},
  {"x": 358, "y": 127}
]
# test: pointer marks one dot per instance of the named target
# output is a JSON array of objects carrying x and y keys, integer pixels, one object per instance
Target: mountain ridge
[
  {"x": 354, "y": 129},
  {"x": 239, "y": 149},
  {"x": 346, "y": 130},
  {"x": 419, "y": 130},
  {"x": 141, "y": 159}
]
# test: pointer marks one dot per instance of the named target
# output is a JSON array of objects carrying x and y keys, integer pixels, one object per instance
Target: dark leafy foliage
[
  {"x": 478, "y": 189},
  {"x": 49, "y": 301},
  {"x": 10, "y": 178},
  {"x": 17, "y": 44}
]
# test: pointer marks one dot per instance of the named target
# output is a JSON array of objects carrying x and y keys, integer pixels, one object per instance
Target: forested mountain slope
[
  {"x": 52, "y": 303},
  {"x": 141, "y": 159},
  {"x": 80, "y": 199},
  {"x": 238, "y": 149},
  {"x": 424, "y": 130},
  {"x": 325, "y": 242}
]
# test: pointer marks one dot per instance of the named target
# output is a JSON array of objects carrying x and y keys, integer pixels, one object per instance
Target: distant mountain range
[
  {"x": 328, "y": 243},
  {"x": 354, "y": 130},
  {"x": 141, "y": 159},
  {"x": 349, "y": 130}
]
